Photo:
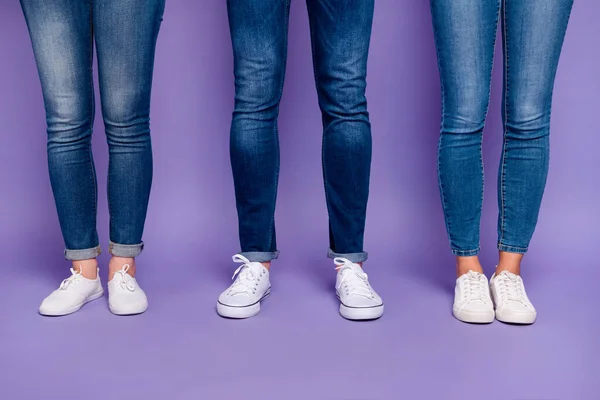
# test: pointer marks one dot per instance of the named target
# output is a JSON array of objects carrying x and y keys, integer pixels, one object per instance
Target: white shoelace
[
  {"x": 74, "y": 278},
  {"x": 476, "y": 288},
  {"x": 511, "y": 287},
  {"x": 246, "y": 281},
  {"x": 354, "y": 280},
  {"x": 126, "y": 279}
]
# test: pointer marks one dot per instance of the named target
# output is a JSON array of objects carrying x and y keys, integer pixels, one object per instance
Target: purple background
[{"x": 298, "y": 347}]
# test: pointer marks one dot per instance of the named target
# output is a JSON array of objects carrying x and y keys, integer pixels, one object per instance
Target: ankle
[
  {"x": 514, "y": 269},
  {"x": 510, "y": 262},
  {"x": 117, "y": 263},
  {"x": 267, "y": 265},
  {"x": 88, "y": 268},
  {"x": 466, "y": 264}
]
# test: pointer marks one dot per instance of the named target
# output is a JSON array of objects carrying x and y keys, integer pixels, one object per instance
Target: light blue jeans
[
  {"x": 465, "y": 35},
  {"x": 125, "y": 32}
]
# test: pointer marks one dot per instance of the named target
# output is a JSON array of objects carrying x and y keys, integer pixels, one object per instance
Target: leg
[
  {"x": 465, "y": 32},
  {"x": 341, "y": 34},
  {"x": 259, "y": 38},
  {"x": 61, "y": 35},
  {"x": 126, "y": 33},
  {"x": 533, "y": 37}
]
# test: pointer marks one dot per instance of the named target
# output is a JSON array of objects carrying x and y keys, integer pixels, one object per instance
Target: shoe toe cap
[
  {"x": 476, "y": 307},
  {"x": 235, "y": 300},
  {"x": 362, "y": 302},
  {"x": 59, "y": 303},
  {"x": 128, "y": 302}
]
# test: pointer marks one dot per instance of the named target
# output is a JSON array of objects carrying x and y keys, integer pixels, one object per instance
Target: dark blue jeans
[
  {"x": 341, "y": 32},
  {"x": 465, "y": 34},
  {"x": 125, "y": 32}
]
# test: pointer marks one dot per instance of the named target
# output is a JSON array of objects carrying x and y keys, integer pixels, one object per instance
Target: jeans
[
  {"x": 340, "y": 33},
  {"x": 465, "y": 34},
  {"x": 125, "y": 31}
]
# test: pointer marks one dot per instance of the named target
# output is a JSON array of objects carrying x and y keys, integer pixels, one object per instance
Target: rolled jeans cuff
[
  {"x": 352, "y": 257},
  {"x": 466, "y": 253},
  {"x": 125, "y": 250},
  {"x": 512, "y": 249},
  {"x": 260, "y": 256},
  {"x": 83, "y": 254}
]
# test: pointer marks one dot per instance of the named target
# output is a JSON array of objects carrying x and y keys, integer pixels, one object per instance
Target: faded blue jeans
[
  {"x": 125, "y": 31},
  {"x": 465, "y": 33},
  {"x": 341, "y": 33}
]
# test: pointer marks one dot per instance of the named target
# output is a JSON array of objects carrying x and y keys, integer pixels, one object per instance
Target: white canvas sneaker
[
  {"x": 251, "y": 285},
  {"x": 510, "y": 299},
  {"x": 72, "y": 294},
  {"x": 472, "y": 301},
  {"x": 358, "y": 299},
  {"x": 125, "y": 296}
]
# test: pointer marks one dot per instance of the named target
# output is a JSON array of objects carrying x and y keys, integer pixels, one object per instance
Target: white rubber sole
[
  {"x": 70, "y": 310},
  {"x": 474, "y": 317},
  {"x": 240, "y": 312},
  {"x": 127, "y": 311},
  {"x": 516, "y": 318},
  {"x": 361, "y": 313}
]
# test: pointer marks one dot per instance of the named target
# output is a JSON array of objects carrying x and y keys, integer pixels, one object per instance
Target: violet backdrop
[{"x": 298, "y": 347}]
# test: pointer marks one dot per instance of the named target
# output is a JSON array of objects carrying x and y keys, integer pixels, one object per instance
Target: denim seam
[
  {"x": 443, "y": 96},
  {"x": 280, "y": 93},
  {"x": 92, "y": 103},
  {"x": 487, "y": 109},
  {"x": 505, "y": 121},
  {"x": 316, "y": 77}
]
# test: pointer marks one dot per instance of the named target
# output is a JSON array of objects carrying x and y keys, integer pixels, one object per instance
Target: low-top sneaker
[
  {"x": 472, "y": 301},
  {"x": 510, "y": 299},
  {"x": 358, "y": 299},
  {"x": 125, "y": 296},
  {"x": 250, "y": 286},
  {"x": 72, "y": 294}
]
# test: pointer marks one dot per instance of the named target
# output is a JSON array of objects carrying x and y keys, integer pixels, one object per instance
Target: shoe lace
[
  {"x": 512, "y": 288},
  {"x": 476, "y": 288},
  {"x": 126, "y": 280},
  {"x": 354, "y": 280},
  {"x": 245, "y": 281},
  {"x": 73, "y": 279}
]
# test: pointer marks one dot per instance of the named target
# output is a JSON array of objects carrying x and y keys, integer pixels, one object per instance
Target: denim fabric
[
  {"x": 465, "y": 34},
  {"x": 340, "y": 32},
  {"x": 125, "y": 32}
]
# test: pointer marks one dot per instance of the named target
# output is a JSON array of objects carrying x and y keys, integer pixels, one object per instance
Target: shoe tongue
[
  {"x": 508, "y": 275},
  {"x": 357, "y": 273},
  {"x": 256, "y": 267},
  {"x": 474, "y": 275},
  {"x": 122, "y": 277}
]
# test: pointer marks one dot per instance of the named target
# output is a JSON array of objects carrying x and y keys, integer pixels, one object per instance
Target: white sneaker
[
  {"x": 72, "y": 294},
  {"x": 511, "y": 301},
  {"x": 242, "y": 299},
  {"x": 358, "y": 299},
  {"x": 472, "y": 301},
  {"x": 125, "y": 296}
]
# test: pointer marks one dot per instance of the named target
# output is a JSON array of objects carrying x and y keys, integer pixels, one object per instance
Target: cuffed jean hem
[
  {"x": 260, "y": 256},
  {"x": 125, "y": 250},
  {"x": 352, "y": 257},
  {"x": 84, "y": 254},
  {"x": 466, "y": 253},
  {"x": 512, "y": 249}
]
